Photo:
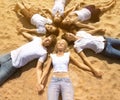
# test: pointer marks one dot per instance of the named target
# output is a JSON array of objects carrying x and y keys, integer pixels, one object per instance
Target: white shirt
[
  {"x": 60, "y": 64},
  {"x": 29, "y": 52},
  {"x": 83, "y": 15},
  {"x": 87, "y": 41},
  {"x": 40, "y": 21},
  {"x": 59, "y": 6}
]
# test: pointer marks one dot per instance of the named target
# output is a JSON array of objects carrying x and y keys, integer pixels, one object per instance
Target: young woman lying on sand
[
  {"x": 58, "y": 14},
  {"x": 60, "y": 82},
  {"x": 90, "y": 12},
  {"x": 99, "y": 44},
  {"x": 44, "y": 25}
]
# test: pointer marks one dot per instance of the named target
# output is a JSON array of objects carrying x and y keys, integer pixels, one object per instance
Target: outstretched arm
[
  {"x": 70, "y": 10},
  {"x": 81, "y": 25},
  {"x": 80, "y": 65},
  {"x": 41, "y": 10},
  {"x": 96, "y": 30},
  {"x": 39, "y": 71},
  {"x": 87, "y": 62},
  {"x": 47, "y": 11},
  {"x": 44, "y": 75},
  {"x": 27, "y": 35},
  {"x": 28, "y": 30}
]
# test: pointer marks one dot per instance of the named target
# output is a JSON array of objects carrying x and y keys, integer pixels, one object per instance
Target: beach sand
[{"x": 22, "y": 85}]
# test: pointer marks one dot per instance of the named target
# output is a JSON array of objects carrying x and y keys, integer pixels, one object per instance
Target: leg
[
  {"x": 27, "y": 13},
  {"x": 67, "y": 89},
  {"x": 114, "y": 41},
  {"x": 53, "y": 89},
  {"x": 4, "y": 58},
  {"x": 107, "y": 6},
  {"x": 110, "y": 50},
  {"x": 6, "y": 70}
]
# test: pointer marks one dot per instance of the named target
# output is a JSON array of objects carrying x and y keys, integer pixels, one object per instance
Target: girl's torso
[
  {"x": 87, "y": 41},
  {"x": 60, "y": 64}
]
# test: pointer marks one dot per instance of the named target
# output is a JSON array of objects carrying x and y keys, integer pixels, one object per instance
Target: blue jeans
[
  {"x": 6, "y": 68},
  {"x": 60, "y": 85},
  {"x": 110, "y": 49}
]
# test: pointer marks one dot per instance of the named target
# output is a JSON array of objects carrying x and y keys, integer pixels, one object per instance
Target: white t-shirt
[
  {"x": 59, "y": 6},
  {"x": 87, "y": 41},
  {"x": 29, "y": 52},
  {"x": 60, "y": 64},
  {"x": 83, "y": 15},
  {"x": 40, "y": 21}
]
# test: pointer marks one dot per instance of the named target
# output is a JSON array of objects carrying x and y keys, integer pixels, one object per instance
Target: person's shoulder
[
  {"x": 67, "y": 53},
  {"x": 52, "y": 54},
  {"x": 36, "y": 38},
  {"x": 81, "y": 32}
]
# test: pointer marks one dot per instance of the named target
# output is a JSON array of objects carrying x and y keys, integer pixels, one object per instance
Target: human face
[
  {"x": 50, "y": 28},
  {"x": 67, "y": 21},
  {"x": 57, "y": 18},
  {"x": 61, "y": 45},
  {"x": 47, "y": 41},
  {"x": 70, "y": 37}
]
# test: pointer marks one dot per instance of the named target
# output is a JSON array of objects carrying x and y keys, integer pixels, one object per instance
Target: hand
[
  {"x": 102, "y": 30},
  {"x": 40, "y": 87},
  {"x": 23, "y": 29},
  {"x": 19, "y": 29},
  {"x": 98, "y": 73}
]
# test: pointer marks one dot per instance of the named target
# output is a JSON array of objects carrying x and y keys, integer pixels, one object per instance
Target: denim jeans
[
  {"x": 6, "y": 68},
  {"x": 110, "y": 49},
  {"x": 60, "y": 85}
]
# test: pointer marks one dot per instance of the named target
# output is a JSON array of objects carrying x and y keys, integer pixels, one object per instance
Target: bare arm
[
  {"x": 80, "y": 65},
  {"x": 96, "y": 30},
  {"x": 70, "y": 10},
  {"x": 47, "y": 10},
  {"x": 27, "y": 35},
  {"x": 39, "y": 71},
  {"x": 84, "y": 67},
  {"x": 46, "y": 70},
  {"x": 41, "y": 10},
  {"x": 81, "y": 25},
  {"x": 87, "y": 62},
  {"x": 42, "y": 78},
  {"x": 28, "y": 30}
]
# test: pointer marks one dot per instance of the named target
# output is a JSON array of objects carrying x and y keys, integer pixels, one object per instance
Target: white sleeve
[
  {"x": 41, "y": 30},
  {"x": 43, "y": 58},
  {"x": 78, "y": 48},
  {"x": 35, "y": 37}
]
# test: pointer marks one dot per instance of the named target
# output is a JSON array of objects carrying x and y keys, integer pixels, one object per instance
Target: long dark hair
[
  {"x": 56, "y": 32},
  {"x": 69, "y": 42}
]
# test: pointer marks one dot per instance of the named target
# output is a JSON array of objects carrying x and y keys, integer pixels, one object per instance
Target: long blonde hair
[{"x": 66, "y": 46}]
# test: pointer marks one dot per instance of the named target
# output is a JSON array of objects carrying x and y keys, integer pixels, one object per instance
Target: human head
[
  {"x": 69, "y": 37},
  {"x": 51, "y": 29},
  {"x": 49, "y": 41},
  {"x": 57, "y": 18},
  {"x": 61, "y": 45},
  {"x": 67, "y": 21}
]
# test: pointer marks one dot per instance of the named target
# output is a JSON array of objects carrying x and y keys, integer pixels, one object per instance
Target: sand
[{"x": 22, "y": 85}]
